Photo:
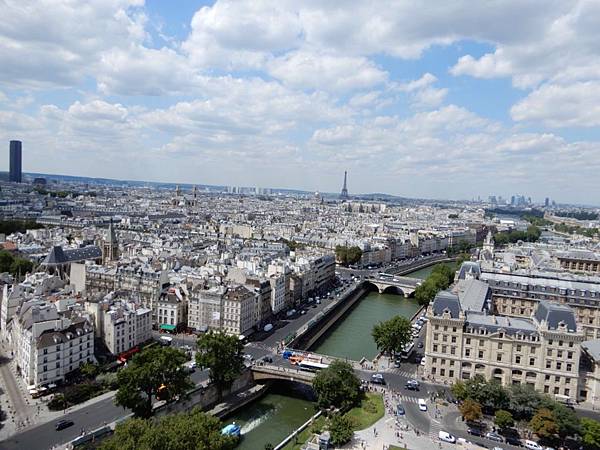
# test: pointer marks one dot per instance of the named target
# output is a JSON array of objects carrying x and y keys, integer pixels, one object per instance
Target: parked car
[
  {"x": 532, "y": 445},
  {"x": 512, "y": 440},
  {"x": 420, "y": 345},
  {"x": 62, "y": 424},
  {"x": 400, "y": 410},
  {"x": 475, "y": 432},
  {"x": 494, "y": 437},
  {"x": 446, "y": 437}
]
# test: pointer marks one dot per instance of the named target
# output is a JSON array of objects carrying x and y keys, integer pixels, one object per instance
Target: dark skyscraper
[
  {"x": 15, "y": 162},
  {"x": 344, "y": 194}
]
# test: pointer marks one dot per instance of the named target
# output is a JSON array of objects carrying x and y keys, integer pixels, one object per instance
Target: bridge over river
[{"x": 388, "y": 282}]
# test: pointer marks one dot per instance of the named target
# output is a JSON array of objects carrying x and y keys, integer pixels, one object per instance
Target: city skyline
[{"x": 447, "y": 101}]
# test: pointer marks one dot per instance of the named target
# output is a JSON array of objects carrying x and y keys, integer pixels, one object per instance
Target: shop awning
[{"x": 167, "y": 327}]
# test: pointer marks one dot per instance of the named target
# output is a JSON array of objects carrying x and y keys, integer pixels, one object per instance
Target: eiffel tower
[{"x": 344, "y": 194}]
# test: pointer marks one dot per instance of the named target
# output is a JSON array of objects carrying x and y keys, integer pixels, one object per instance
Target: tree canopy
[
  {"x": 222, "y": 354},
  {"x": 347, "y": 255},
  {"x": 392, "y": 335},
  {"x": 470, "y": 410},
  {"x": 543, "y": 423},
  {"x": 503, "y": 419},
  {"x": 194, "y": 430},
  {"x": 590, "y": 433},
  {"x": 341, "y": 428},
  {"x": 337, "y": 386},
  {"x": 15, "y": 265},
  {"x": 440, "y": 278},
  {"x": 153, "y": 369}
]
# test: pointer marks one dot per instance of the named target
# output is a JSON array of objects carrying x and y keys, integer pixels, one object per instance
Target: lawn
[
  {"x": 305, "y": 434},
  {"x": 394, "y": 447},
  {"x": 366, "y": 414},
  {"x": 370, "y": 411}
]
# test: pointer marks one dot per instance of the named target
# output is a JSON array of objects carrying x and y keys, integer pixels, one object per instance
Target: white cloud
[
  {"x": 303, "y": 69},
  {"x": 577, "y": 104}
]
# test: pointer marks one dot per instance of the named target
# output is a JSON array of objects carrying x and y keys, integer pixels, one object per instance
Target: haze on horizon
[{"x": 447, "y": 100}]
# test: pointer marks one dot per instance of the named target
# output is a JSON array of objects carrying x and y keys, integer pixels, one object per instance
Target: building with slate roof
[
  {"x": 59, "y": 260},
  {"x": 464, "y": 339}
]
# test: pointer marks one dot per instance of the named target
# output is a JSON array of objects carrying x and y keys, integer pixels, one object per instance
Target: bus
[
  {"x": 407, "y": 350},
  {"x": 312, "y": 366},
  {"x": 387, "y": 276}
]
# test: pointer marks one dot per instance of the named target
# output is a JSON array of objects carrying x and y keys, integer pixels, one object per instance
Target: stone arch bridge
[{"x": 404, "y": 285}]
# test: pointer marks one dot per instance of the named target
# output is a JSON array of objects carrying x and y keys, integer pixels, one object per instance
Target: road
[{"x": 93, "y": 416}]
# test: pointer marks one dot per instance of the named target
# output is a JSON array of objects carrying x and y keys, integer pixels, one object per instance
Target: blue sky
[{"x": 446, "y": 100}]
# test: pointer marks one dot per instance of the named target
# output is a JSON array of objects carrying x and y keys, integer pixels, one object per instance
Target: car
[
  {"x": 423, "y": 362},
  {"x": 268, "y": 359},
  {"x": 400, "y": 410},
  {"x": 62, "y": 424},
  {"x": 446, "y": 437},
  {"x": 397, "y": 363},
  {"x": 497, "y": 448},
  {"x": 532, "y": 445},
  {"x": 420, "y": 345},
  {"x": 377, "y": 378},
  {"x": 412, "y": 385},
  {"x": 475, "y": 432},
  {"x": 422, "y": 404},
  {"x": 512, "y": 440},
  {"x": 494, "y": 437}
]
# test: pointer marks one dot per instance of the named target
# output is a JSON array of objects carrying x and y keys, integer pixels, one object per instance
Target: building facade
[{"x": 15, "y": 170}]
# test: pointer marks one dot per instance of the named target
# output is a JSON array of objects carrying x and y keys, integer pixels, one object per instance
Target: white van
[
  {"x": 532, "y": 445},
  {"x": 422, "y": 404},
  {"x": 446, "y": 437}
]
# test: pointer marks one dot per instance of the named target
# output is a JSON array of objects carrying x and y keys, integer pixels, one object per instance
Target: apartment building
[
  {"x": 48, "y": 345},
  {"x": 204, "y": 309},
  {"x": 238, "y": 310},
  {"x": 519, "y": 295},
  {"x": 172, "y": 310},
  {"x": 126, "y": 325},
  {"x": 542, "y": 351}
]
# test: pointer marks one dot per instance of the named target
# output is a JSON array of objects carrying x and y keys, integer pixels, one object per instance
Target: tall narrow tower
[
  {"x": 15, "y": 162},
  {"x": 344, "y": 194},
  {"x": 110, "y": 246}
]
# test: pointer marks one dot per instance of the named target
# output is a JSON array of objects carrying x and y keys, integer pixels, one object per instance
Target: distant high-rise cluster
[{"x": 15, "y": 174}]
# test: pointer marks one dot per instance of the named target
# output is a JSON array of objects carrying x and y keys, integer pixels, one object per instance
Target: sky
[{"x": 431, "y": 99}]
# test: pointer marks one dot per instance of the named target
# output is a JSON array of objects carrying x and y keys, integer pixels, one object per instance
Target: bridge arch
[{"x": 393, "y": 290}]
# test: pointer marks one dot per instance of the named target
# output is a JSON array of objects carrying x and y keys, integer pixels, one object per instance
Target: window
[
  {"x": 549, "y": 352},
  {"x": 569, "y": 367},
  {"x": 559, "y": 354},
  {"x": 518, "y": 359},
  {"x": 480, "y": 354},
  {"x": 532, "y": 361},
  {"x": 468, "y": 352},
  {"x": 546, "y": 389},
  {"x": 519, "y": 348},
  {"x": 451, "y": 375},
  {"x": 548, "y": 364},
  {"x": 45, "y": 368},
  {"x": 481, "y": 342},
  {"x": 500, "y": 346},
  {"x": 45, "y": 351},
  {"x": 570, "y": 355},
  {"x": 558, "y": 366},
  {"x": 435, "y": 336},
  {"x": 453, "y": 339},
  {"x": 435, "y": 347},
  {"x": 468, "y": 341},
  {"x": 499, "y": 357},
  {"x": 442, "y": 372},
  {"x": 556, "y": 390}
]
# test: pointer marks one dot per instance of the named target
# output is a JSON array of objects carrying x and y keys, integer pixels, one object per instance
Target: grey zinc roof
[
  {"x": 59, "y": 256},
  {"x": 445, "y": 300},
  {"x": 555, "y": 313},
  {"x": 592, "y": 348},
  {"x": 469, "y": 267},
  {"x": 473, "y": 294},
  {"x": 493, "y": 323}
]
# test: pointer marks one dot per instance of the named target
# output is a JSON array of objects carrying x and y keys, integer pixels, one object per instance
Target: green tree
[
  {"x": 194, "y": 430},
  {"x": 337, "y": 386},
  {"x": 347, "y": 255},
  {"x": 459, "y": 390},
  {"x": 341, "y": 428},
  {"x": 470, "y": 410},
  {"x": 89, "y": 370},
  {"x": 147, "y": 372},
  {"x": 392, "y": 335},
  {"x": 503, "y": 419},
  {"x": 590, "y": 433},
  {"x": 543, "y": 423},
  {"x": 524, "y": 401},
  {"x": 567, "y": 422},
  {"x": 222, "y": 354}
]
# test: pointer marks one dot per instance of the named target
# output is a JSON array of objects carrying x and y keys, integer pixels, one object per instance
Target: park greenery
[
  {"x": 183, "y": 431},
  {"x": 18, "y": 226},
  {"x": 15, "y": 265},
  {"x": 341, "y": 428},
  {"x": 546, "y": 417},
  {"x": 337, "y": 386},
  {"x": 470, "y": 410},
  {"x": 579, "y": 215},
  {"x": 392, "y": 335},
  {"x": 347, "y": 255},
  {"x": 440, "y": 278},
  {"x": 222, "y": 355},
  {"x": 154, "y": 371},
  {"x": 532, "y": 234},
  {"x": 573, "y": 229}
]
